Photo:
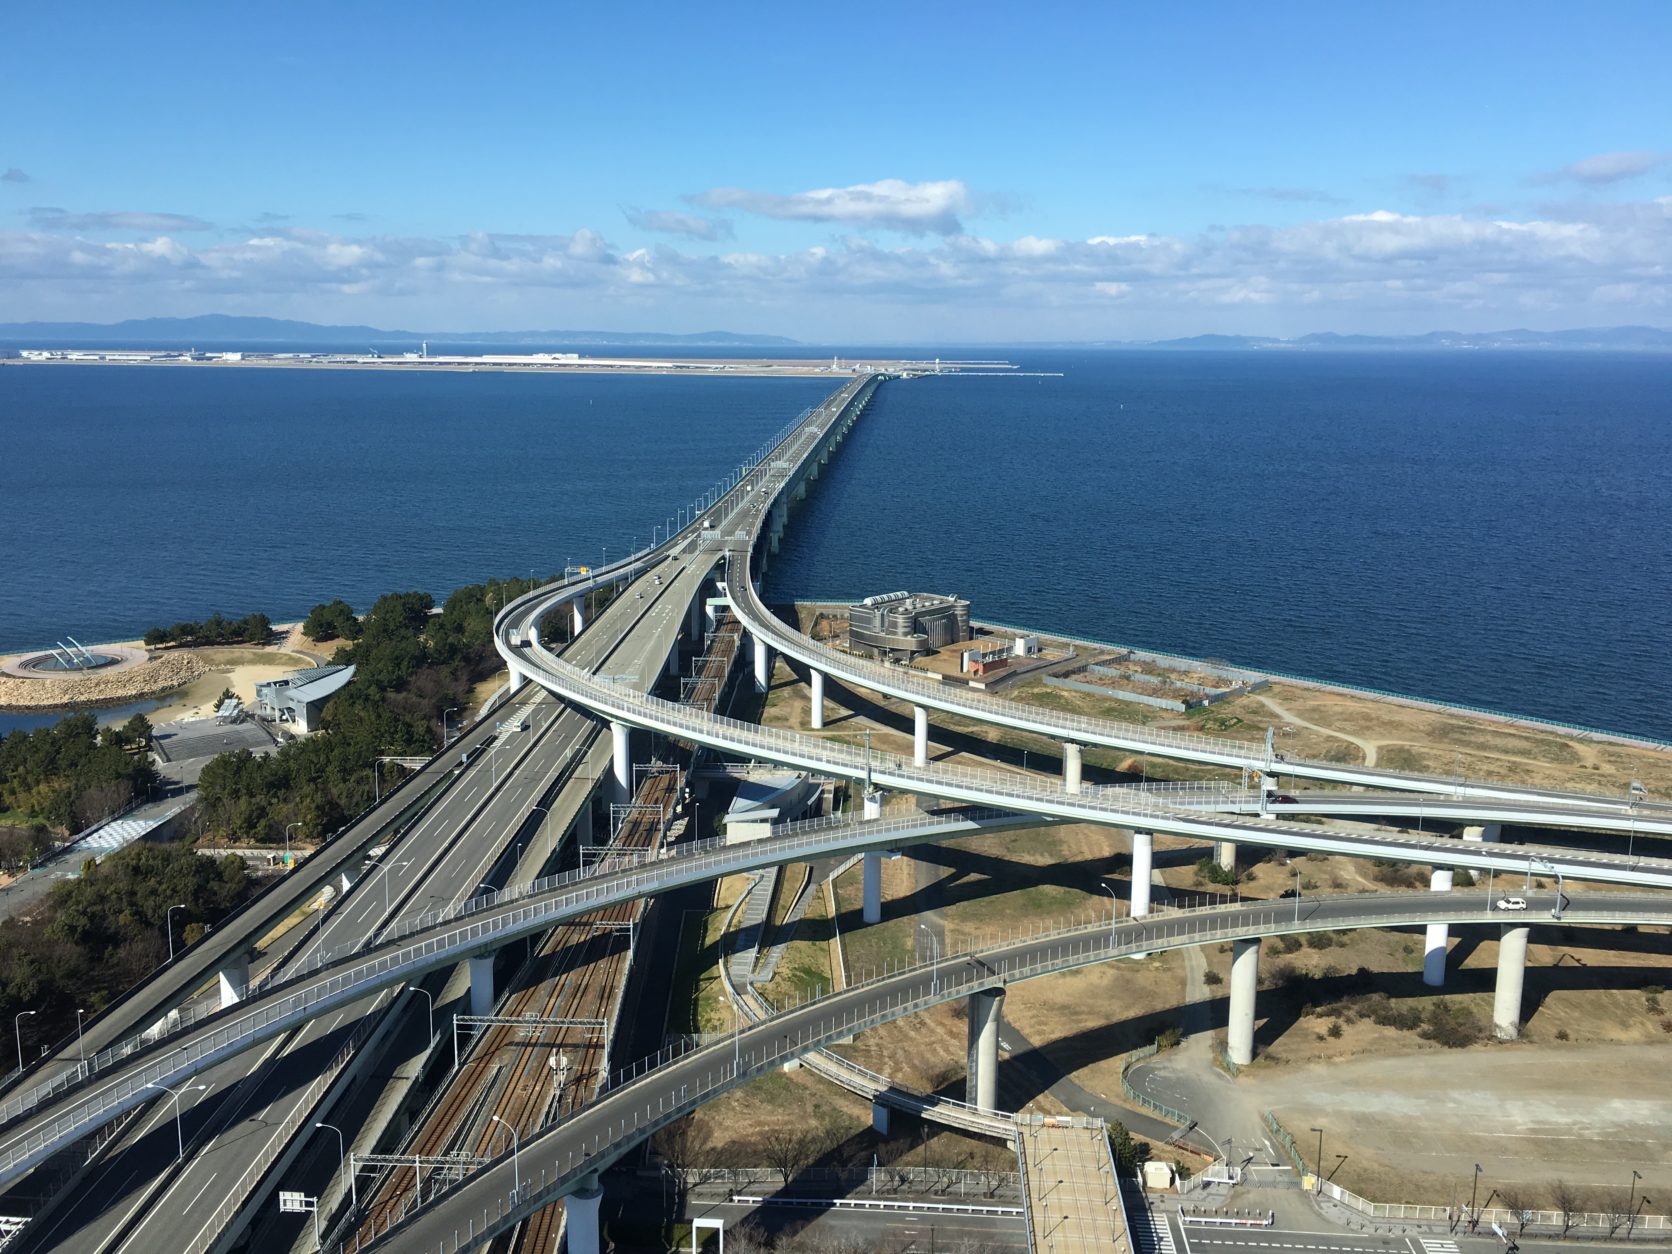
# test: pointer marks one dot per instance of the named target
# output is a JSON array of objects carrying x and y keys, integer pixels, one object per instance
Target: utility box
[{"x": 1160, "y": 1177}]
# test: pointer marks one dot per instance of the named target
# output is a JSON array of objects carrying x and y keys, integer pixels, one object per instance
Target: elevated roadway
[
  {"x": 631, "y": 643},
  {"x": 563, "y": 1160},
  {"x": 428, "y": 942},
  {"x": 786, "y": 476},
  {"x": 905, "y": 684}
]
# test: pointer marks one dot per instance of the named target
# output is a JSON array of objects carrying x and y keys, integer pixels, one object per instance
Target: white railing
[
  {"x": 612, "y": 880},
  {"x": 907, "y": 685},
  {"x": 622, "y": 1121},
  {"x": 1513, "y": 1222},
  {"x": 1117, "y": 805}
]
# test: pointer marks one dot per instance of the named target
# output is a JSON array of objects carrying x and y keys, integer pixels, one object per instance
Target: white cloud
[
  {"x": 14, "y": 175},
  {"x": 47, "y": 218},
  {"x": 916, "y": 208},
  {"x": 1368, "y": 271},
  {"x": 670, "y": 222},
  {"x": 1606, "y": 167}
]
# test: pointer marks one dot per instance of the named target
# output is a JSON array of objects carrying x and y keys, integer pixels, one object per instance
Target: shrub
[
  {"x": 1320, "y": 940},
  {"x": 1210, "y": 872},
  {"x": 1335, "y": 1030},
  {"x": 1289, "y": 943},
  {"x": 1451, "y": 1025},
  {"x": 1213, "y": 978},
  {"x": 1562, "y": 1034}
]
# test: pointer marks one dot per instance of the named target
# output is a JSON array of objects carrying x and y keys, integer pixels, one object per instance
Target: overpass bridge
[
  {"x": 631, "y": 644},
  {"x": 726, "y": 533},
  {"x": 564, "y": 1159},
  {"x": 119, "y": 1078}
]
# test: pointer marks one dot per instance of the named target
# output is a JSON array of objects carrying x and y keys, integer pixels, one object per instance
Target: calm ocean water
[{"x": 1492, "y": 528}]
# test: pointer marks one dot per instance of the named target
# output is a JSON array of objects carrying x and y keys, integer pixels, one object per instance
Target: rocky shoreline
[{"x": 160, "y": 674}]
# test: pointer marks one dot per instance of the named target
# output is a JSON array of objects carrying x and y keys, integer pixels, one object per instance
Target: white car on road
[{"x": 1512, "y": 903}]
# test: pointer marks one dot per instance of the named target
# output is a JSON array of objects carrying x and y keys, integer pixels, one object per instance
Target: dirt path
[{"x": 1366, "y": 747}]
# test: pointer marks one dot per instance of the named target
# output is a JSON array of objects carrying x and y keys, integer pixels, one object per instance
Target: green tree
[{"x": 1130, "y": 1153}]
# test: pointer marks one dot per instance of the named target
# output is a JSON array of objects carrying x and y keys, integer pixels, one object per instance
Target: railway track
[{"x": 523, "y": 1075}]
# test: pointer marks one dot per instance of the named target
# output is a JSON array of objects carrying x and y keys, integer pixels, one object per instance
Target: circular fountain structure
[
  {"x": 69, "y": 661},
  {"x": 56, "y": 666}
]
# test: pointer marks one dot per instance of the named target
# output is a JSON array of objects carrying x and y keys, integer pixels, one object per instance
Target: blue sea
[{"x": 1490, "y": 528}]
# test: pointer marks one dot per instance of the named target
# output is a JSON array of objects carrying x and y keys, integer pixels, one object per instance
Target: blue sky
[{"x": 853, "y": 172}]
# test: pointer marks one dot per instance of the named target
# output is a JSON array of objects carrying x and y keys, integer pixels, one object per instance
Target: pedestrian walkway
[{"x": 1070, "y": 1192}]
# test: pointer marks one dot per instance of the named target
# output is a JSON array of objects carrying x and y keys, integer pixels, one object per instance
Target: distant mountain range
[
  {"x": 214, "y": 328},
  {"x": 228, "y": 328},
  {"x": 1583, "y": 338}
]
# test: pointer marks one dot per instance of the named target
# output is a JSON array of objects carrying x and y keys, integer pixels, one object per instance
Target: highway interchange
[{"x": 460, "y": 842}]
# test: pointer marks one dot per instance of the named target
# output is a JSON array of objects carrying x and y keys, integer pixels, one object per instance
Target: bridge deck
[{"x": 1069, "y": 1189}]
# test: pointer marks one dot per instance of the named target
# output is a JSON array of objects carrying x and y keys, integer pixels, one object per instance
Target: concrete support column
[
  {"x": 871, "y": 910},
  {"x": 481, "y": 985},
  {"x": 1143, "y": 867},
  {"x": 693, "y": 622},
  {"x": 882, "y": 1118},
  {"x": 621, "y": 761},
  {"x": 514, "y": 678},
  {"x": 981, "y": 1081},
  {"x": 1225, "y": 854},
  {"x": 1434, "y": 950},
  {"x": 234, "y": 981},
  {"x": 873, "y": 805},
  {"x": 1512, "y": 970},
  {"x": 1485, "y": 834},
  {"x": 1245, "y": 984},
  {"x": 577, "y": 610},
  {"x": 1071, "y": 768},
  {"x": 817, "y": 679},
  {"x": 920, "y": 736},
  {"x": 581, "y": 1214},
  {"x": 763, "y": 672}
]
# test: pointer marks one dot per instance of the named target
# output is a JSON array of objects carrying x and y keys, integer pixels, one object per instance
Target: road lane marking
[{"x": 200, "y": 1192}]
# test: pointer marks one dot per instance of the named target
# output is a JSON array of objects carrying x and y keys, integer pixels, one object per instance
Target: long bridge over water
[{"x": 579, "y": 694}]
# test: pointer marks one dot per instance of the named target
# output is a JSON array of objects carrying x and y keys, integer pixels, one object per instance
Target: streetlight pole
[
  {"x": 168, "y": 926},
  {"x": 1631, "y": 1206},
  {"x": 737, "y": 1035},
  {"x": 17, "y": 1030},
  {"x": 342, "y": 1157},
  {"x": 179, "y": 1137},
  {"x": 1318, "y": 1186},
  {"x": 516, "y": 1155},
  {"x": 1474, "y": 1218},
  {"x": 1114, "y": 910},
  {"x": 934, "y": 960},
  {"x": 1297, "y": 894},
  {"x": 287, "y": 830},
  {"x": 385, "y": 869},
  {"x": 80, "y": 1046},
  {"x": 452, "y": 709}
]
